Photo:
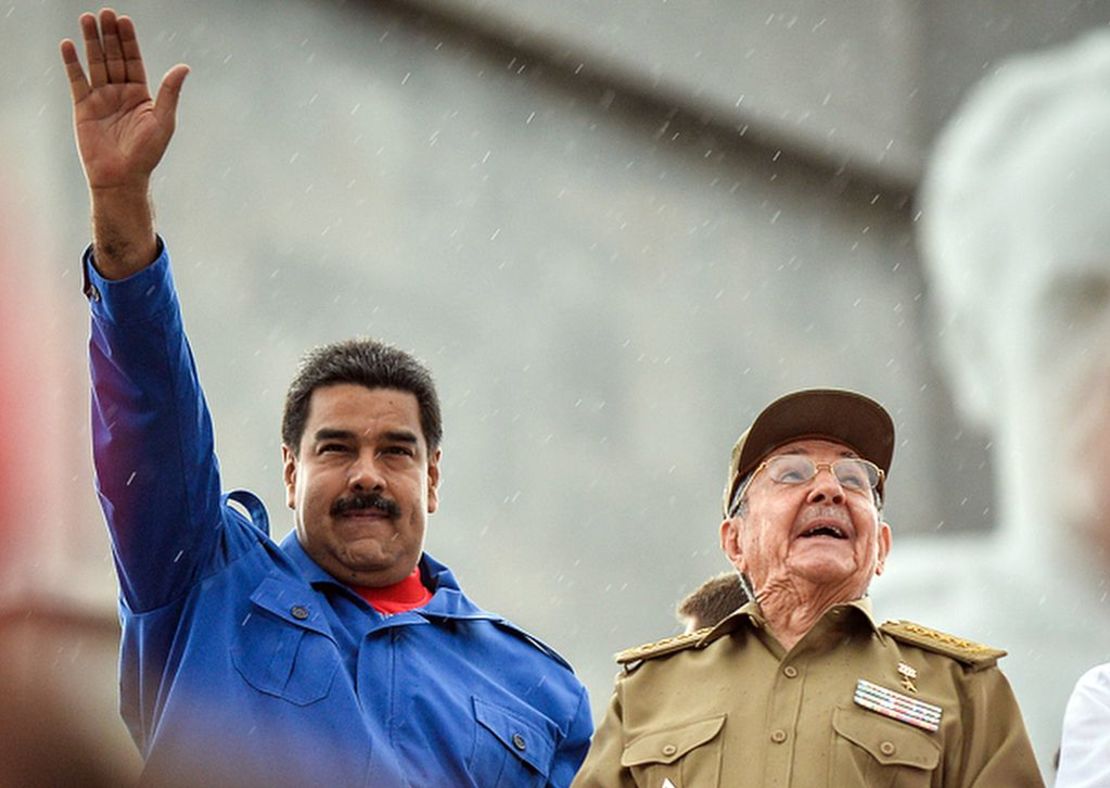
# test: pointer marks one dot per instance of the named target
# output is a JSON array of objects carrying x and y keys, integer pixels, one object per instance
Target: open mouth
[{"x": 831, "y": 531}]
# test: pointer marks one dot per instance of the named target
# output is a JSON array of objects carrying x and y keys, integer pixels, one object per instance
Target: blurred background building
[{"x": 614, "y": 230}]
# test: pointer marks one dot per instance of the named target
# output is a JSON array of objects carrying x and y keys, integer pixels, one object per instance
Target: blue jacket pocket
[
  {"x": 514, "y": 745},
  {"x": 284, "y": 647}
]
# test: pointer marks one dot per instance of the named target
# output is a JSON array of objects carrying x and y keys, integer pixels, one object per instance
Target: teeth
[{"x": 834, "y": 530}]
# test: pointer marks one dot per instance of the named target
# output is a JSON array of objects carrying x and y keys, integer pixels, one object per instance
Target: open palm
[{"x": 121, "y": 132}]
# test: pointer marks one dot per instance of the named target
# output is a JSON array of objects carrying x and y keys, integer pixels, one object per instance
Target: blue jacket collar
[{"x": 448, "y": 600}]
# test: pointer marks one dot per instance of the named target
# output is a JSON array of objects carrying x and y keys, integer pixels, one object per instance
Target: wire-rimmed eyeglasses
[{"x": 854, "y": 474}]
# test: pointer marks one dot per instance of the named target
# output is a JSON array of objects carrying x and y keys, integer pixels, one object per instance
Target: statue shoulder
[{"x": 976, "y": 656}]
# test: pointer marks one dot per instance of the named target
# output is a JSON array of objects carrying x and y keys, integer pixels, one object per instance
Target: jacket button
[
  {"x": 299, "y": 612},
  {"x": 669, "y": 749},
  {"x": 779, "y": 736},
  {"x": 518, "y": 742},
  {"x": 790, "y": 671},
  {"x": 887, "y": 748}
]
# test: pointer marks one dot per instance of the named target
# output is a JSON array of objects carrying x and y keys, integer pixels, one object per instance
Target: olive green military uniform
[{"x": 728, "y": 706}]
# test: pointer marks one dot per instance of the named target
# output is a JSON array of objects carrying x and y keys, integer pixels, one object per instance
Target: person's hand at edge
[{"x": 122, "y": 134}]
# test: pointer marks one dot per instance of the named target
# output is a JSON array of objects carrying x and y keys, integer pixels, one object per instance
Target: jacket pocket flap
[
  {"x": 889, "y": 742},
  {"x": 667, "y": 746},
  {"x": 530, "y": 736},
  {"x": 293, "y": 604}
]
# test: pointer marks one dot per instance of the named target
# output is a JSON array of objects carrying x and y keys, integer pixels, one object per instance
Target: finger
[
  {"x": 113, "y": 53},
  {"x": 165, "y": 105},
  {"x": 98, "y": 73},
  {"x": 132, "y": 58},
  {"x": 78, "y": 85}
]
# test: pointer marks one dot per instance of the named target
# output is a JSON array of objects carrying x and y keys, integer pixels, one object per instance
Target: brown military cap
[{"x": 843, "y": 416}]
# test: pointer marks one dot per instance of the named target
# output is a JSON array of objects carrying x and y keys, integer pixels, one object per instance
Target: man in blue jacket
[{"x": 343, "y": 655}]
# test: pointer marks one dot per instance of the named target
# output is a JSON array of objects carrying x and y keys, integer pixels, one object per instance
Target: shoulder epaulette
[
  {"x": 661, "y": 647},
  {"x": 975, "y": 655}
]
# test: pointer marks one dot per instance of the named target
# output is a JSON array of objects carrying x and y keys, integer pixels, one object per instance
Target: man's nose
[
  {"x": 825, "y": 487},
  {"x": 365, "y": 474}
]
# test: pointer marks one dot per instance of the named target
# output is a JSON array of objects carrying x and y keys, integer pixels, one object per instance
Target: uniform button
[
  {"x": 887, "y": 748},
  {"x": 790, "y": 672},
  {"x": 299, "y": 612},
  {"x": 669, "y": 749},
  {"x": 779, "y": 736},
  {"x": 93, "y": 293},
  {"x": 518, "y": 742}
]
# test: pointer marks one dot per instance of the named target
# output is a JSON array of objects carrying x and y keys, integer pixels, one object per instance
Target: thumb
[{"x": 165, "y": 105}]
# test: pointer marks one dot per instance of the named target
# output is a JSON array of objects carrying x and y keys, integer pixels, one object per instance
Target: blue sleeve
[
  {"x": 156, "y": 470},
  {"x": 572, "y": 750}
]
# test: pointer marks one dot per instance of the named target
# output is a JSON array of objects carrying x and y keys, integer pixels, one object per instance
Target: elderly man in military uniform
[{"x": 801, "y": 686}]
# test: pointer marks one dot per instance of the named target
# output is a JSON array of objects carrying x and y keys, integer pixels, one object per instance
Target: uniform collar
[
  {"x": 751, "y": 616},
  {"x": 448, "y": 600}
]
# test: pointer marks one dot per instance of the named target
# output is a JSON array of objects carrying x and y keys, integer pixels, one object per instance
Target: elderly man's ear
[
  {"x": 731, "y": 531},
  {"x": 884, "y": 546}
]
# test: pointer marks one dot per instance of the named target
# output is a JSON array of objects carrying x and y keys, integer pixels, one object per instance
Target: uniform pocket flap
[
  {"x": 528, "y": 735},
  {"x": 670, "y": 744},
  {"x": 292, "y": 603},
  {"x": 889, "y": 742}
]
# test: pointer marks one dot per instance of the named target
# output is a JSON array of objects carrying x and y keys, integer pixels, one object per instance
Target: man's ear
[
  {"x": 433, "y": 480},
  {"x": 731, "y": 542},
  {"x": 289, "y": 475},
  {"x": 885, "y": 537}
]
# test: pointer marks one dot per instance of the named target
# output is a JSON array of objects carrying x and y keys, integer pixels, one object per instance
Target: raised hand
[{"x": 121, "y": 132}]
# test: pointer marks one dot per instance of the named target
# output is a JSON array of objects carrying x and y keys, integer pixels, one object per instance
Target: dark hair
[
  {"x": 714, "y": 599},
  {"x": 366, "y": 362}
]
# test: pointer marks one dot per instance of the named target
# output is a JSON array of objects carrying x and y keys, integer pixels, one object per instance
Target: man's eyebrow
[
  {"x": 397, "y": 436},
  {"x": 800, "y": 450},
  {"x": 330, "y": 433}
]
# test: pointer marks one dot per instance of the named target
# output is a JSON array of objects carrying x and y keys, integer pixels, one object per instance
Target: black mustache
[{"x": 365, "y": 501}]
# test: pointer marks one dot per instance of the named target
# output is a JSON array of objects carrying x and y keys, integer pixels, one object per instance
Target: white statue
[{"x": 1015, "y": 235}]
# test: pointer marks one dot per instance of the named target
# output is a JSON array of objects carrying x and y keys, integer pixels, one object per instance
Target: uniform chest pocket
[
  {"x": 514, "y": 745},
  {"x": 281, "y": 659},
  {"x": 686, "y": 754},
  {"x": 872, "y": 750}
]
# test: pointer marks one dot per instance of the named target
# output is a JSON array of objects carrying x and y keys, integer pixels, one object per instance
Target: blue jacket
[{"x": 243, "y": 662}]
